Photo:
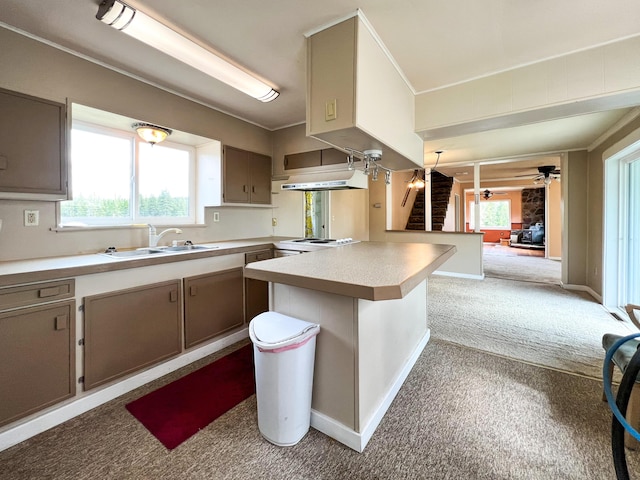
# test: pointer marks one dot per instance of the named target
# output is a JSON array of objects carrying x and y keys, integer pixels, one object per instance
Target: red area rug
[{"x": 175, "y": 412}]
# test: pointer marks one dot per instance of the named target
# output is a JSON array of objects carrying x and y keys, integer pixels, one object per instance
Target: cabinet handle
[
  {"x": 253, "y": 189},
  {"x": 173, "y": 296},
  {"x": 48, "y": 292},
  {"x": 62, "y": 322},
  {"x": 193, "y": 290},
  {"x": 3, "y": 162},
  {"x": 244, "y": 188}
]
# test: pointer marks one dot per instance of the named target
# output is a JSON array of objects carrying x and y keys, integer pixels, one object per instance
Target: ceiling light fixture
[
  {"x": 371, "y": 165},
  {"x": 140, "y": 26},
  {"x": 151, "y": 133}
]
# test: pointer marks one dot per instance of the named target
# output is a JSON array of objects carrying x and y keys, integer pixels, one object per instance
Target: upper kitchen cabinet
[
  {"x": 246, "y": 177},
  {"x": 356, "y": 97},
  {"x": 315, "y": 158},
  {"x": 32, "y": 148}
]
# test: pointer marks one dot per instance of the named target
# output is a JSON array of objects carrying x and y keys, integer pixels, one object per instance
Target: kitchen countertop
[
  {"x": 368, "y": 270},
  {"x": 51, "y": 268}
]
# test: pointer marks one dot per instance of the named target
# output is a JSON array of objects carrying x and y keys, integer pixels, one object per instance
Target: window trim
[
  {"x": 134, "y": 218},
  {"x": 485, "y": 202}
]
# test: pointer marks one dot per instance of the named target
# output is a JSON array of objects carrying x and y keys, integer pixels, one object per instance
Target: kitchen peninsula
[{"x": 370, "y": 299}]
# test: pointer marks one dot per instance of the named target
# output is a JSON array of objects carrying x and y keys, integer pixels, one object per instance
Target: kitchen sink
[
  {"x": 145, "y": 252},
  {"x": 142, "y": 252},
  {"x": 183, "y": 248}
]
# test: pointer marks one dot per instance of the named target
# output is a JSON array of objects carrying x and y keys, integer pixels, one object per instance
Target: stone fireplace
[{"x": 532, "y": 206}]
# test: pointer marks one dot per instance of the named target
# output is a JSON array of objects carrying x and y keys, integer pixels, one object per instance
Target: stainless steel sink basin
[
  {"x": 184, "y": 248},
  {"x": 145, "y": 252}
]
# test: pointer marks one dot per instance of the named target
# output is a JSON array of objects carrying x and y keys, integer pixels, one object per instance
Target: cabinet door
[
  {"x": 37, "y": 358},
  {"x": 256, "y": 292},
  {"x": 128, "y": 330},
  {"x": 213, "y": 305},
  {"x": 331, "y": 156},
  {"x": 260, "y": 174},
  {"x": 235, "y": 175},
  {"x": 302, "y": 160},
  {"x": 32, "y": 145}
]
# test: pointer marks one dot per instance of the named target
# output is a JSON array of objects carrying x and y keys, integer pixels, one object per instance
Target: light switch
[{"x": 330, "y": 110}]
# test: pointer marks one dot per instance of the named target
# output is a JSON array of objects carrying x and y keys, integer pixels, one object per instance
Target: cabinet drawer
[
  {"x": 36, "y": 293},
  {"x": 258, "y": 256}
]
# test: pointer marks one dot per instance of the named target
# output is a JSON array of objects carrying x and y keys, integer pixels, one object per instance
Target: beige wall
[
  {"x": 37, "y": 69},
  {"x": 554, "y": 221},
  {"x": 576, "y": 218}
]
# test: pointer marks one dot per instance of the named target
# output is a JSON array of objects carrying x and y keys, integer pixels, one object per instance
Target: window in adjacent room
[{"x": 494, "y": 215}]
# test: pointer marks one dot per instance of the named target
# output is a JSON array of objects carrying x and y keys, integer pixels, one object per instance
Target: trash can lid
[{"x": 273, "y": 329}]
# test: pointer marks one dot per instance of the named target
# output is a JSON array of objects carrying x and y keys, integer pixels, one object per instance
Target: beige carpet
[
  {"x": 539, "y": 323},
  {"x": 504, "y": 262},
  {"x": 461, "y": 415}
]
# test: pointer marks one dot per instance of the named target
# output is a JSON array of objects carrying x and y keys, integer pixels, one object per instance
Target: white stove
[{"x": 322, "y": 242}]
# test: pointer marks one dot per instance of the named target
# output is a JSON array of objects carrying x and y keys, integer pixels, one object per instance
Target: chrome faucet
[{"x": 153, "y": 238}]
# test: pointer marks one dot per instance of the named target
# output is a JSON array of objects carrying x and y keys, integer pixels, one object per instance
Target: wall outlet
[
  {"x": 216, "y": 216},
  {"x": 274, "y": 222},
  {"x": 31, "y": 218}
]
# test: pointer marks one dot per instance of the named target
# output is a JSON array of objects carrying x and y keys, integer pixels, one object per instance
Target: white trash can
[{"x": 284, "y": 350}]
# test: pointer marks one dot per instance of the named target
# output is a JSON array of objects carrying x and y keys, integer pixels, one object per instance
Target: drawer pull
[
  {"x": 48, "y": 292},
  {"x": 62, "y": 322}
]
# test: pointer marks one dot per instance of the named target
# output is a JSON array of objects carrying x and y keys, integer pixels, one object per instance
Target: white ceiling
[{"x": 434, "y": 42}]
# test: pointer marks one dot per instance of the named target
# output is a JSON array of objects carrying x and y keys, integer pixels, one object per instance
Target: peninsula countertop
[{"x": 367, "y": 270}]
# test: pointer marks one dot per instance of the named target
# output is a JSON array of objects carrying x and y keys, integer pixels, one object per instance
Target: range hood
[{"x": 342, "y": 180}]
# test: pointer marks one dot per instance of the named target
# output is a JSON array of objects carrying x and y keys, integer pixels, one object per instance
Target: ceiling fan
[
  {"x": 546, "y": 173},
  {"x": 487, "y": 194}
]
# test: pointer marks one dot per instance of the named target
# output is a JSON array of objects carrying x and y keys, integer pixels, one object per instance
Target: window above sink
[{"x": 119, "y": 179}]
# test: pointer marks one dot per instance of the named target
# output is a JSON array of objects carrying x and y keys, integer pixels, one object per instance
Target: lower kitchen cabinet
[
  {"x": 131, "y": 329},
  {"x": 213, "y": 305},
  {"x": 256, "y": 291},
  {"x": 37, "y": 358}
]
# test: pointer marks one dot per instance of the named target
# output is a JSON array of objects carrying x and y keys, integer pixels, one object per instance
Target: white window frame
[
  {"x": 484, "y": 202},
  {"x": 616, "y": 163},
  {"x": 135, "y": 218}
]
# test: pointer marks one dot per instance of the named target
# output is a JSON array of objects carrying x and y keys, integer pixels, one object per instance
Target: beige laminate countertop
[
  {"x": 368, "y": 270},
  {"x": 40, "y": 269}
]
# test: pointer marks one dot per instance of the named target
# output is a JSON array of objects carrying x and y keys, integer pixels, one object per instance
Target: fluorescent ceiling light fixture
[{"x": 140, "y": 26}]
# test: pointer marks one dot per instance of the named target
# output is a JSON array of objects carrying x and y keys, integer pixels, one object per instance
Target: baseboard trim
[
  {"x": 583, "y": 288},
  {"x": 359, "y": 440},
  {"x": 42, "y": 421},
  {"x": 459, "y": 275}
]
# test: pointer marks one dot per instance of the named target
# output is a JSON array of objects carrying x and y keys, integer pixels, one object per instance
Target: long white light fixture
[{"x": 133, "y": 22}]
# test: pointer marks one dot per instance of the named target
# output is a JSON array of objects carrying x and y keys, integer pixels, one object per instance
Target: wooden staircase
[
  {"x": 416, "y": 217},
  {"x": 440, "y": 192}
]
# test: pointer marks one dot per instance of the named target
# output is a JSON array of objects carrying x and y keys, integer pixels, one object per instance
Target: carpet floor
[
  {"x": 462, "y": 414},
  {"x": 538, "y": 323},
  {"x": 504, "y": 262}
]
